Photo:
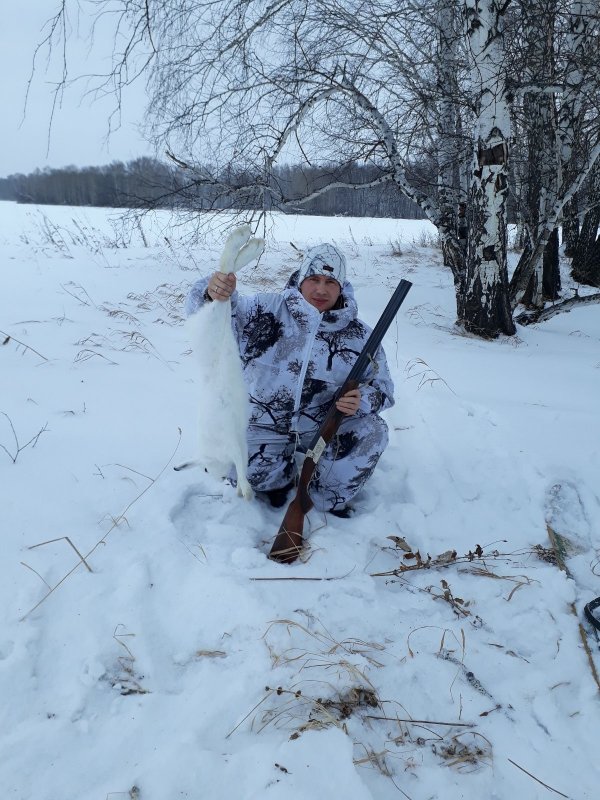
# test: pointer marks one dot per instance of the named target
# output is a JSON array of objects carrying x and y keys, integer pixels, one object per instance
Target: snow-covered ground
[{"x": 175, "y": 660}]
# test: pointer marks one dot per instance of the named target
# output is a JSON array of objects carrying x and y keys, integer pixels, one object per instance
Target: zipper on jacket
[{"x": 302, "y": 376}]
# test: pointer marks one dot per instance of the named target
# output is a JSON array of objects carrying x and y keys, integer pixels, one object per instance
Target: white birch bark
[{"x": 485, "y": 308}]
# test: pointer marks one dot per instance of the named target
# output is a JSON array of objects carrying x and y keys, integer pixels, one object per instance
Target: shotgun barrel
[{"x": 288, "y": 542}]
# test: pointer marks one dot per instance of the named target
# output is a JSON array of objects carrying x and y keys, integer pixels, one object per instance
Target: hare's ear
[
  {"x": 251, "y": 251},
  {"x": 233, "y": 243}
]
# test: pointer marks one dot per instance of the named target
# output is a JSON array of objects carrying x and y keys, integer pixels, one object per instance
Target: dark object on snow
[
  {"x": 588, "y": 609},
  {"x": 277, "y": 497},
  {"x": 343, "y": 513},
  {"x": 288, "y": 542}
]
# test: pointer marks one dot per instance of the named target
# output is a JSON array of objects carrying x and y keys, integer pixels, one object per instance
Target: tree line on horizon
[{"x": 148, "y": 183}]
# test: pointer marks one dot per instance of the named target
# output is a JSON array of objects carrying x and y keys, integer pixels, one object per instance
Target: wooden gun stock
[{"x": 288, "y": 542}]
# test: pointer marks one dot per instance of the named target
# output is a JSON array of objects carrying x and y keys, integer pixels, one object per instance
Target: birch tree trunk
[
  {"x": 484, "y": 306},
  {"x": 448, "y": 118},
  {"x": 586, "y": 257},
  {"x": 577, "y": 45},
  {"x": 542, "y": 162}
]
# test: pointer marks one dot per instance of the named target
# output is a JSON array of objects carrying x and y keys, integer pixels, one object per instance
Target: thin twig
[
  {"x": 446, "y": 560},
  {"x": 37, "y": 573},
  {"x": 86, "y": 353},
  {"x": 305, "y": 578},
  {"x": 260, "y": 702},
  {"x": 408, "y": 797},
  {"x": 294, "y": 578},
  {"x": 9, "y": 337},
  {"x": 545, "y": 785},
  {"x": 424, "y": 721},
  {"x": 33, "y": 439},
  {"x": 77, "y": 297},
  {"x": 141, "y": 474}
]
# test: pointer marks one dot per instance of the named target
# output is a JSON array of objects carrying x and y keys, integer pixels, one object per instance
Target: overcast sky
[{"x": 80, "y": 126}]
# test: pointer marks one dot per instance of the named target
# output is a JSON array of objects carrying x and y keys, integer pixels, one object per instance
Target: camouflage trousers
[{"x": 345, "y": 466}]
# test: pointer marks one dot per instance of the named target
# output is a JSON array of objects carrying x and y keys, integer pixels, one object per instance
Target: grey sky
[{"x": 80, "y": 125}]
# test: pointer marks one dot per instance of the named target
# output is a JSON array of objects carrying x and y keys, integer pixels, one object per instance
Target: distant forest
[{"x": 149, "y": 183}]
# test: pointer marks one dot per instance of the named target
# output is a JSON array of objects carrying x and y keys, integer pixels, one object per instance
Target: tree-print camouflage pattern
[{"x": 294, "y": 360}]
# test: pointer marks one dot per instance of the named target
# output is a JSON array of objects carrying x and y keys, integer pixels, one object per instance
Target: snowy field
[{"x": 148, "y": 648}]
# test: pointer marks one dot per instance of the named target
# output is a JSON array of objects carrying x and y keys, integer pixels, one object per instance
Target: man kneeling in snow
[{"x": 296, "y": 349}]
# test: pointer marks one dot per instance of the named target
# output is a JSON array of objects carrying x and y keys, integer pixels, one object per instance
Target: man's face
[{"x": 320, "y": 291}]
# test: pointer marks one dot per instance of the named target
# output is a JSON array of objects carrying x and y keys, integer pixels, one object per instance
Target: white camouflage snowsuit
[{"x": 294, "y": 360}]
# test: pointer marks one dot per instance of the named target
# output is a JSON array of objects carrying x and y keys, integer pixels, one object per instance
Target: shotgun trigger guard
[{"x": 317, "y": 450}]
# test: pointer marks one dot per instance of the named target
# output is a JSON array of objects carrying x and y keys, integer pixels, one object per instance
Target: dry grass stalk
[
  {"x": 413, "y": 560},
  {"x": 107, "y": 534},
  {"x": 508, "y": 652},
  {"x": 312, "y": 713},
  {"x": 545, "y": 785},
  {"x": 461, "y": 607},
  {"x": 305, "y": 577},
  {"x": 328, "y": 652},
  {"x": 60, "y": 539},
  {"x": 423, "y": 314},
  {"x": 448, "y": 655},
  {"x": 376, "y": 760},
  {"x": 210, "y": 654},
  {"x": 135, "y": 341},
  {"x": 518, "y": 580},
  {"x": 396, "y": 247},
  {"x": 79, "y": 293},
  {"x": 254, "y": 708},
  {"x": 127, "y": 682},
  {"x": 299, "y": 578},
  {"x": 86, "y": 354},
  {"x": 347, "y": 702},
  {"x": 418, "y": 368},
  {"x": 423, "y": 721},
  {"x": 462, "y": 750},
  {"x": 317, "y": 703},
  {"x": 442, "y": 647},
  {"x": 457, "y": 603},
  {"x": 204, "y": 559},
  {"x": 117, "y": 313},
  {"x": 167, "y": 298},
  {"x": 18, "y": 447},
  {"x": 36, "y": 573},
  {"x": 7, "y": 337},
  {"x": 141, "y": 474}
]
